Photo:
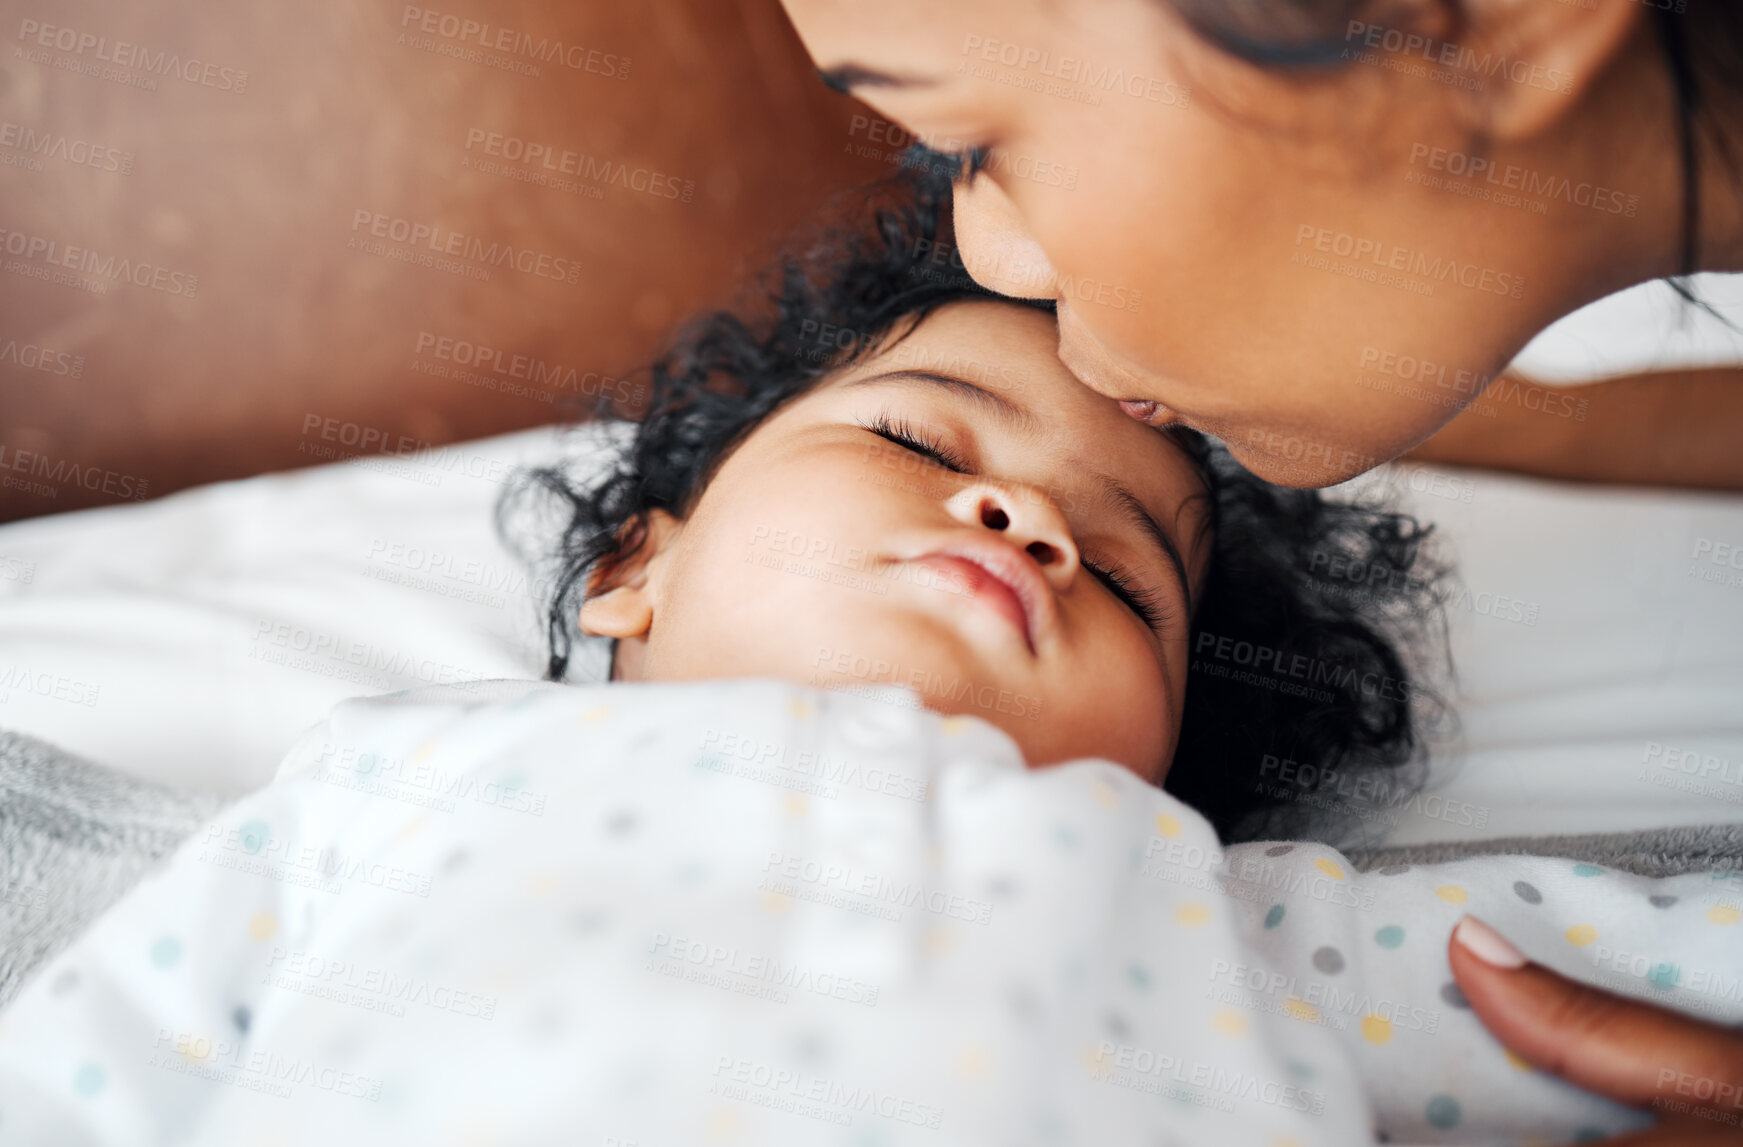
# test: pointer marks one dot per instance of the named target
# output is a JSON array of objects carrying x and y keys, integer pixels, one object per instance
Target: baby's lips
[{"x": 1141, "y": 409}]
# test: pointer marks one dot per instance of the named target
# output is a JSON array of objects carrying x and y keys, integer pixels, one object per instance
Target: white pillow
[
  {"x": 163, "y": 638},
  {"x": 191, "y": 639}
]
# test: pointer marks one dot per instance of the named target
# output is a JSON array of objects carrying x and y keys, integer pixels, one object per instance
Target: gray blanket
[{"x": 74, "y": 836}]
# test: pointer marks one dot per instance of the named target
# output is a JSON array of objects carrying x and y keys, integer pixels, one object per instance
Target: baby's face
[{"x": 1026, "y": 559}]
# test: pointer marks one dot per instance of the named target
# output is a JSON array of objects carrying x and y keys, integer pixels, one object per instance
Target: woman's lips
[{"x": 983, "y": 585}]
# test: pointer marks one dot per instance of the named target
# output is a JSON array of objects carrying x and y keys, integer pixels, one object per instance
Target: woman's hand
[{"x": 1687, "y": 1071}]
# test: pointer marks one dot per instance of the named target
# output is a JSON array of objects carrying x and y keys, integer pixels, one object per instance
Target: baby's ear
[{"x": 621, "y": 594}]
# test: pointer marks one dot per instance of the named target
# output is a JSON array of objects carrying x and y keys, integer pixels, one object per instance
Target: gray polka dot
[
  {"x": 1661, "y": 901},
  {"x": 67, "y": 981},
  {"x": 812, "y": 1047},
  {"x": 1280, "y": 850},
  {"x": 455, "y": 861},
  {"x": 1117, "y": 1025},
  {"x": 622, "y": 823},
  {"x": 587, "y": 921},
  {"x": 1329, "y": 960},
  {"x": 1454, "y": 995},
  {"x": 1527, "y": 893},
  {"x": 1001, "y": 888},
  {"x": 1395, "y": 870},
  {"x": 242, "y": 1018},
  {"x": 1023, "y": 1003}
]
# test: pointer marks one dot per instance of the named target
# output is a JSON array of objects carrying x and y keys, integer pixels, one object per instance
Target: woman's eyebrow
[
  {"x": 1019, "y": 417},
  {"x": 846, "y": 77}
]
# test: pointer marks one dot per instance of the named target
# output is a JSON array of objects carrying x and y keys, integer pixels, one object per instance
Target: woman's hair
[
  {"x": 1297, "y": 686},
  {"x": 1701, "y": 40}
]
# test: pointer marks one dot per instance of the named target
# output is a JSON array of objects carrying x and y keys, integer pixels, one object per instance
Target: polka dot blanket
[{"x": 753, "y": 913}]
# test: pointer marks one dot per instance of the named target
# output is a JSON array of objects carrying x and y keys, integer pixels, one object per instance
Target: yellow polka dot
[
  {"x": 262, "y": 926},
  {"x": 1515, "y": 1060},
  {"x": 1452, "y": 894},
  {"x": 412, "y": 828},
  {"x": 1581, "y": 934},
  {"x": 1723, "y": 914},
  {"x": 796, "y": 804},
  {"x": 723, "y": 1124},
  {"x": 1094, "y": 1057},
  {"x": 776, "y": 903},
  {"x": 801, "y": 710},
  {"x": 1285, "y": 1141},
  {"x": 951, "y": 726},
  {"x": 1329, "y": 868},
  {"x": 1167, "y": 825},
  {"x": 1227, "y": 1021},
  {"x": 1104, "y": 793},
  {"x": 1191, "y": 915},
  {"x": 939, "y": 941},
  {"x": 973, "y": 1062},
  {"x": 543, "y": 884},
  {"x": 1376, "y": 1029},
  {"x": 423, "y": 751},
  {"x": 197, "y": 1048},
  {"x": 596, "y": 714},
  {"x": 1300, "y": 1010}
]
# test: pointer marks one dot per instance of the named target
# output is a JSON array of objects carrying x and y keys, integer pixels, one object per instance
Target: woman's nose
[
  {"x": 996, "y": 248},
  {"x": 1028, "y": 518}
]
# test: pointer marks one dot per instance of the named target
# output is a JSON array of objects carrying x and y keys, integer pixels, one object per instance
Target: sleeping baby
[{"x": 939, "y": 694}]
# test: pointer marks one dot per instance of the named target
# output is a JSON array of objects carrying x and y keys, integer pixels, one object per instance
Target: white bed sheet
[{"x": 190, "y": 640}]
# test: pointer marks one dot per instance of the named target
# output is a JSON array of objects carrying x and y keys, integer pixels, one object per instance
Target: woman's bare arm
[{"x": 1677, "y": 428}]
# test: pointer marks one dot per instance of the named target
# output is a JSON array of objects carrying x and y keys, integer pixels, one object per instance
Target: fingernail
[{"x": 1486, "y": 944}]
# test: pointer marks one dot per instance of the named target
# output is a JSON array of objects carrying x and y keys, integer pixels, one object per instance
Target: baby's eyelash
[
  {"x": 905, "y": 436},
  {"x": 1146, "y": 603}
]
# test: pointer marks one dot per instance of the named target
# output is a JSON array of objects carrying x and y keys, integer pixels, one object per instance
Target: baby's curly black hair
[{"x": 1297, "y": 685}]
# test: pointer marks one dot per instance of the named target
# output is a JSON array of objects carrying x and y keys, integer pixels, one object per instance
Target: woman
[{"x": 1248, "y": 208}]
